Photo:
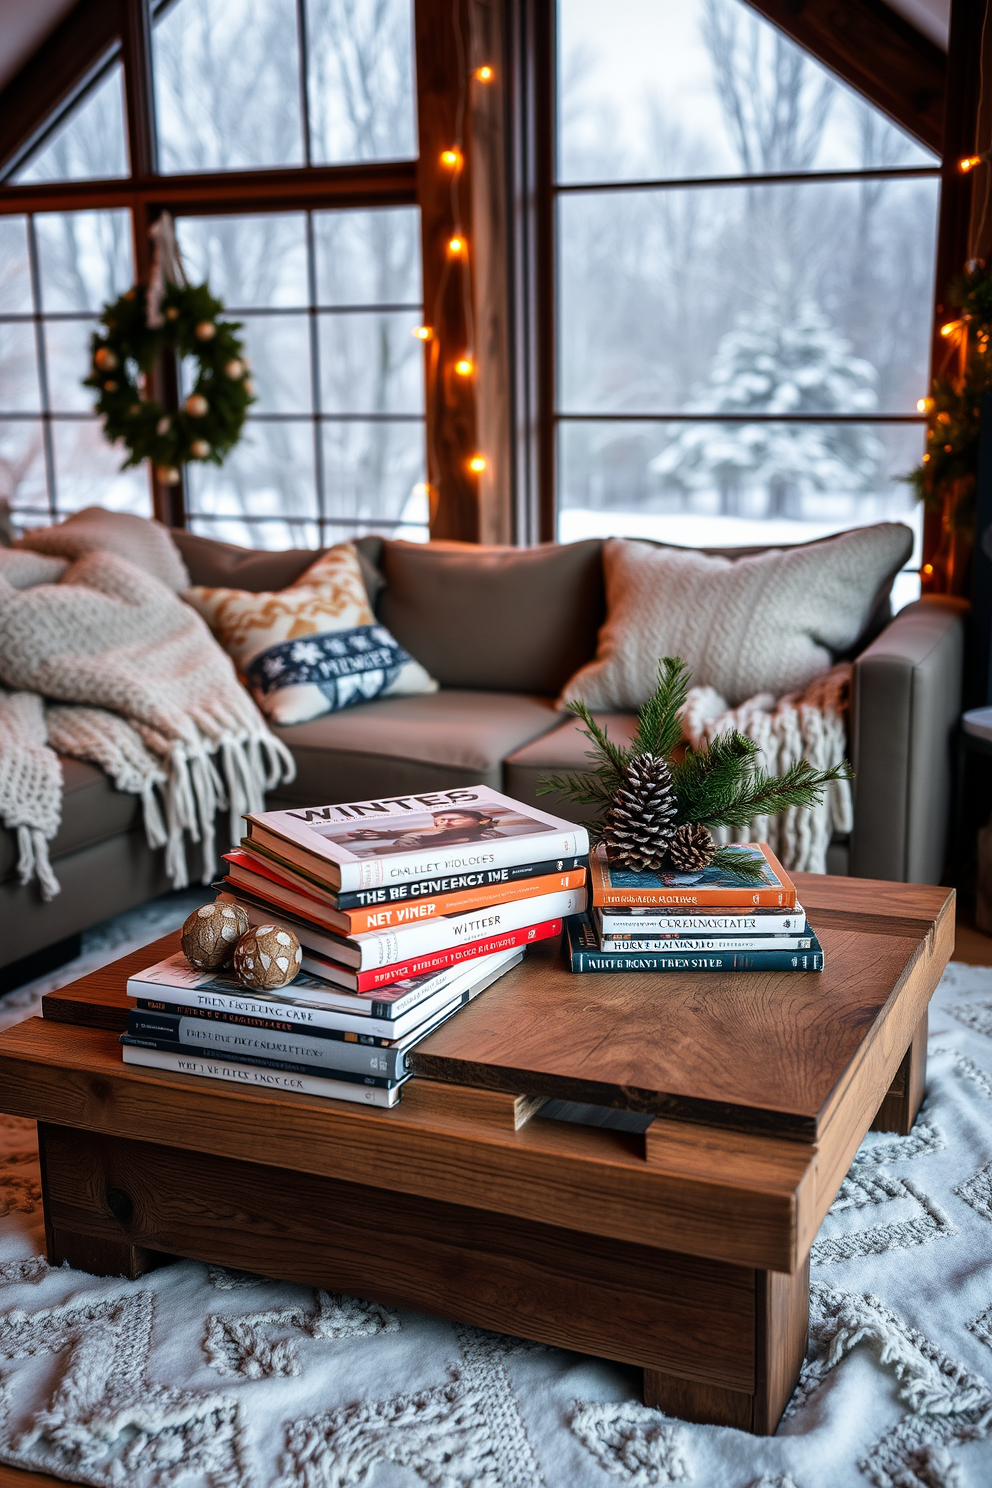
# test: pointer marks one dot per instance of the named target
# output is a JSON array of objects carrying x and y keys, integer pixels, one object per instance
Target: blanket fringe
[{"x": 34, "y": 861}]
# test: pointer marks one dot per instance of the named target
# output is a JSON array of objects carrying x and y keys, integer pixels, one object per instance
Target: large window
[
  {"x": 745, "y": 260},
  {"x": 329, "y": 294}
]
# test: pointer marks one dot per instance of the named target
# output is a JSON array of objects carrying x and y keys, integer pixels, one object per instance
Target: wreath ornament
[{"x": 170, "y": 314}]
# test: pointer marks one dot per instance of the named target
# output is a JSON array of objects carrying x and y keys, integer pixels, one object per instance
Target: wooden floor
[{"x": 972, "y": 947}]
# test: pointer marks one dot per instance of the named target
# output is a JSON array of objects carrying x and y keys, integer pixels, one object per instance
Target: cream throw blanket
[
  {"x": 805, "y": 725},
  {"x": 133, "y": 681}
]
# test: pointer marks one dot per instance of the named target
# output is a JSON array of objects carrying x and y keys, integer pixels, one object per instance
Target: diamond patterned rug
[{"x": 206, "y": 1378}]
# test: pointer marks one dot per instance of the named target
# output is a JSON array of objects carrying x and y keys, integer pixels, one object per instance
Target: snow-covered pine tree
[{"x": 777, "y": 359}]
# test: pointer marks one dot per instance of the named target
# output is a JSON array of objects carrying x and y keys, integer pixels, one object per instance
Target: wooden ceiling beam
[
  {"x": 37, "y": 96},
  {"x": 871, "y": 47}
]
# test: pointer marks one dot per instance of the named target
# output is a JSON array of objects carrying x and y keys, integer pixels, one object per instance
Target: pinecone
[
  {"x": 691, "y": 848},
  {"x": 639, "y": 824}
]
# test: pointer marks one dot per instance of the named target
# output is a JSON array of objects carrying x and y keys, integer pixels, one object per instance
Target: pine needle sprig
[
  {"x": 707, "y": 782},
  {"x": 732, "y": 860},
  {"x": 659, "y": 721},
  {"x": 761, "y": 794},
  {"x": 598, "y": 786}
]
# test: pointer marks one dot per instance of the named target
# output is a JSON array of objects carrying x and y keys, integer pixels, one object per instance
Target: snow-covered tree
[{"x": 787, "y": 360}]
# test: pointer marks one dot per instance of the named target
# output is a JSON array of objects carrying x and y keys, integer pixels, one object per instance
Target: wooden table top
[{"x": 754, "y": 1052}]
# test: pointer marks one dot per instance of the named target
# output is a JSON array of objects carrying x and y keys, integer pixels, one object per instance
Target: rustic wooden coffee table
[{"x": 682, "y": 1249}]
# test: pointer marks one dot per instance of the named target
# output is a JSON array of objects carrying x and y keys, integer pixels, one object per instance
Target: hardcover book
[
  {"x": 350, "y": 1016},
  {"x": 416, "y": 888},
  {"x": 766, "y": 885},
  {"x": 370, "y": 844},
  {"x": 635, "y": 921},
  {"x": 246, "y": 871},
  {"x": 257, "y": 1077},
  {"x": 585, "y": 955}
]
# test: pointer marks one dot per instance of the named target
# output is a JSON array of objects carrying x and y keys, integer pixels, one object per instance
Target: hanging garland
[
  {"x": 183, "y": 319},
  {"x": 945, "y": 478}
]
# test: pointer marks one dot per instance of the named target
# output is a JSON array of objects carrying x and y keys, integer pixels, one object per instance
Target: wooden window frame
[{"x": 96, "y": 32}]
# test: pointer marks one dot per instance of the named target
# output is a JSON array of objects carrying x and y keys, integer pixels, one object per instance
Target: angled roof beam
[
  {"x": 871, "y": 47},
  {"x": 37, "y": 97}
]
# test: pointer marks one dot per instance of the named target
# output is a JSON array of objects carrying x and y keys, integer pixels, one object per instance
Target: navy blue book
[{"x": 585, "y": 954}]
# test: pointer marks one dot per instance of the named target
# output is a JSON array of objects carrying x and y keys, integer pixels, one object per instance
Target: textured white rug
[{"x": 197, "y": 1376}]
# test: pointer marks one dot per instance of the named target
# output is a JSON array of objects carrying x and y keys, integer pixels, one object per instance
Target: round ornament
[
  {"x": 267, "y": 958},
  {"x": 188, "y": 322},
  {"x": 210, "y": 934}
]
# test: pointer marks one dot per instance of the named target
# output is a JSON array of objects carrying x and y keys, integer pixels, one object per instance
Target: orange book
[
  {"x": 248, "y": 872},
  {"x": 709, "y": 889}
]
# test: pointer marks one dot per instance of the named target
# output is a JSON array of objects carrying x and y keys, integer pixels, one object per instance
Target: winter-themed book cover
[
  {"x": 364, "y": 844},
  {"x": 708, "y": 888}
]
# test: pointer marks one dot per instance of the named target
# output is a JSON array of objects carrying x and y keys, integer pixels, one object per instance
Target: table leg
[
  {"x": 101, "y": 1254},
  {"x": 904, "y": 1097},
  {"x": 781, "y": 1329}
]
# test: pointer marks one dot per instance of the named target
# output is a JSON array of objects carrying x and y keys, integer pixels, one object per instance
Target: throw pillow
[
  {"x": 768, "y": 623},
  {"x": 314, "y": 647}
]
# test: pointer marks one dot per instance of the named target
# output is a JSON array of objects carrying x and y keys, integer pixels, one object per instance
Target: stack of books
[
  {"x": 405, "y": 909},
  {"x": 713, "y": 920}
]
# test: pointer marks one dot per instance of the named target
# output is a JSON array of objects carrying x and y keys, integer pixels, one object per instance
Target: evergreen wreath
[
  {"x": 124, "y": 354},
  {"x": 657, "y": 808}
]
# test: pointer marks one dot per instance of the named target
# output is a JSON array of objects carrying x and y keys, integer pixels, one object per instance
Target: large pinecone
[
  {"x": 640, "y": 823},
  {"x": 691, "y": 848}
]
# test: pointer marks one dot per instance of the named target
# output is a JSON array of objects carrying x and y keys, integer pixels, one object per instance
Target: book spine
[
  {"x": 699, "y": 899},
  {"x": 383, "y": 949},
  {"x": 613, "y": 922},
  {"x": 393, "y": 918},
  {"x": 683, "y": 945},
  {"x": 286, "y": 1066},
  {"x": 234, "y": 1039},
  {"x": 261, "y": 1079},
  {"x": 273, "y": 1025},
  {"x": 432, "y": 888},
  {"x": 526, "y": 935},
  {"x": 334, "y": 1017},
  {"x": 610, "y": 961},
  {"x": 493, "y": 852}
]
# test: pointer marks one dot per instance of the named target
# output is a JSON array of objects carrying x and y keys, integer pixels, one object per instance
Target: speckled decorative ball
[
  {"x": 211, "y": 933},
  {"x": 267, "y": 958}
]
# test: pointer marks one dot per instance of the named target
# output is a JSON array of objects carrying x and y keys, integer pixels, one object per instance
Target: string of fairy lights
[{"x": 452, "y": 160}]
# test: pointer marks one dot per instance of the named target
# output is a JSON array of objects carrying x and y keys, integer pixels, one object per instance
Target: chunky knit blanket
[
  {"x": 804, "y": 725},
  {"x": 101, "y": 660}
]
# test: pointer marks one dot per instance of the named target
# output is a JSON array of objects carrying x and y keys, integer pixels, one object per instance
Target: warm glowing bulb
[
  {"x": 451, "y": 158},
  {"x": 421, "y": 489},
  {"x": 484, "y": 74},
  {"x": 464, "y": 367},
  {"x": 969, "y": 162},
  {"x": 477, "y": 463},
  {"x": 455, "y": 245},
  {"x": 950, "y": 327},
  {"x": 423, "y": 333},
  {"x": 924, "y": 405},
  {"x": 927, "y": 569}
]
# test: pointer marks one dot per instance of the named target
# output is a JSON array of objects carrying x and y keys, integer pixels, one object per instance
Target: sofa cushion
[
  {"x": 510, "y": 619},
  {"x": 770, "y": 623},
  {"x": 92, "y": 811},
  {"x": 314, "y": 647},
  {"x": 399, "y": 745},
  {"x": 562, "y": 749},
  {"x": 221, "y": 565}
]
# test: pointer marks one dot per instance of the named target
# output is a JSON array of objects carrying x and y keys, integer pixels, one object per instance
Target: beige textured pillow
[
  {"x": 312, "y": 648},
  {"x": 770, "y": 623}
]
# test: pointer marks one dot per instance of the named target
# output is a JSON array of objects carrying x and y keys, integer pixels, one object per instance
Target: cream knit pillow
[{"x": 770, "y": 623}]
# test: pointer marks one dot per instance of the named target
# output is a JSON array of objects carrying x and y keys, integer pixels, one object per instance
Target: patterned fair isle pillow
[{"x": 312, "y": 648}]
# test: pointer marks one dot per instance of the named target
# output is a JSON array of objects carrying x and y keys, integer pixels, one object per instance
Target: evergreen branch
[
  {"x": 584, "y": 790},
  {"x": 761, "y": 794},
  {"x": 612, "y": 754},
  {"x": 708, "y": 781},
  {"x": 659, "y": 725}
]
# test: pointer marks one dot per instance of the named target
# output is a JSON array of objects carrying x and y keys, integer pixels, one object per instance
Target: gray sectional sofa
[{"x": 502, "y": 629}]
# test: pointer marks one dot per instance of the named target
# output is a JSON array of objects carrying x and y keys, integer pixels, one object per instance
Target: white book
[
  {"x": 656, "y": 922},
  {"x": 256, "y": 1077},
  {"x": 354, "y": 1014},
  {"x": 366, "y": 844}
]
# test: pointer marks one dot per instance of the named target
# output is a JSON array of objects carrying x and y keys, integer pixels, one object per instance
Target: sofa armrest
[{"x": 906, "y": 702}]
